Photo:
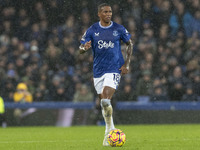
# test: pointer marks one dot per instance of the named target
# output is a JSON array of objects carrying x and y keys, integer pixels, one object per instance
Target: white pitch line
[
  {"x": 8, "y": 142},
  {"x": 171, "y": 140},
  {"x": 66, "y": 141}
]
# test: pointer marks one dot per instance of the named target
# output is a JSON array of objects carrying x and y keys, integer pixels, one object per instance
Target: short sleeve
[
  {"x": 86, "y": 36},
  {"x": 125, "y": 35}
]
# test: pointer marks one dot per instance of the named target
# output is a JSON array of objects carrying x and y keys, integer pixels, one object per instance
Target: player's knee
[{"x": 105, "y": 102}]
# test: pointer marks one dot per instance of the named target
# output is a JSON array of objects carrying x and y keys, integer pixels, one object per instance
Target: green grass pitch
[{"x": 139, "y": 137}]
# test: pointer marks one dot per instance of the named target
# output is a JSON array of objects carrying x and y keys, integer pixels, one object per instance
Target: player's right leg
[
  {"x": 107, "y": 111},
  {"x": 105, "y": 87}
]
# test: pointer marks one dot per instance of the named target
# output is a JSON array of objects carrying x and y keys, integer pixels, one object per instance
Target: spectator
[
  {"x": 23, "y": 26},
  {"x": 37, "y": 43},
  {"x": 22, "y": 95},
  {"x": 163, "y": 71},
  {"x": 126, "y": 94},
  {"x": 84, "y": 95},
  {"x": 146, "y": 10},
  {"x": 176, "y": 91},
  {"x": 39, "y": 12},
  {"x": 192, "y": 51},
  {"x": 179, "y": 19},
  {"x": 191, "y": 68},
  {"x": 20, "y": 66},
  {"x": 196, "y": 83},
  {"x": 60, "y": 94},
  {"x": 53, "y": 13},
  {"x": 173, "y": 63},
  {"x": 158, "y": 94},
  {"x": 144, "y": 85},
  {"x": 177, "y": 76},
  {"x": 189, "y": 94},
  {"x": 165, "y": 11},
  {"x": 194, "y": 26},
  {"x": 35, "y": 57},
  {"x": 69, "y": 26},
  {"x": 163, "y": 35},
  {"x": 2, "y": 79},
  {"x": 52, "y": 56},
  {"x": 56, "y": 82},
  {"x": 41, "y": 93},
  {"x": 68, "y": 56},
  {"x": 161, "y": 12},
  {"x": 9, "y": 89},
  {"x": 36, "y": 34}
]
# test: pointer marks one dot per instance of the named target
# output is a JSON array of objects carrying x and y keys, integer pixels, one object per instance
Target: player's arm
[
  {"x": 129, "y": 50},
  {"x": 84, "y": 47}
]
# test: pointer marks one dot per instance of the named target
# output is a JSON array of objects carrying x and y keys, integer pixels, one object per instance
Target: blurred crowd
[{"x": 39, "y": 43}]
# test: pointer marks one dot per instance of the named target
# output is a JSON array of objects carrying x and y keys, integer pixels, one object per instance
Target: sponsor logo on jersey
[
  {"x": 104, "y": 44},
  {"x": 115, "y": 33},
  {"x": 96, "y": 34}
]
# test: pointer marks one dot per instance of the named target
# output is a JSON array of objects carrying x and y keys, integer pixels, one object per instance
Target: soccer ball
[{"x": 116, "y": 138}]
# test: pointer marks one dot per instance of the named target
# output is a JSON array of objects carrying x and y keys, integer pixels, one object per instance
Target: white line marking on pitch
[{"x": 8, "y": 142}]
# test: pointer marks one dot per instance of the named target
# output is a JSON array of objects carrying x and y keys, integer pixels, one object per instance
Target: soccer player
[{"x": 108, "y": 63}]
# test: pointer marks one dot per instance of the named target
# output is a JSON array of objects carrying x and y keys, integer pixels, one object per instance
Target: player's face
[{"x": 105, "y": 14}]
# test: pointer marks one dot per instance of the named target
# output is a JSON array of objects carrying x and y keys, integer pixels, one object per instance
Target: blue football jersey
[{"x": 106, "y": 47}]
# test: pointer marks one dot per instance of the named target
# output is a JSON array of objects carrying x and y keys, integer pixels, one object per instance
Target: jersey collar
[{"x": 105, "y": 27}]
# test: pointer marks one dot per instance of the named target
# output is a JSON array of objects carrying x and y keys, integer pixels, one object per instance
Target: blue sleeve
[
  {"x": 125, "y": 35},
  {"x": 86, "y": 36}
]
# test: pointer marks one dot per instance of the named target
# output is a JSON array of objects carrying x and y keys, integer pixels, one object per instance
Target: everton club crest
[{"x": 115, "y": 33}]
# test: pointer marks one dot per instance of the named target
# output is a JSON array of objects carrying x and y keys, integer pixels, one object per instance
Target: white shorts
[{"x": 108, "y": 79}]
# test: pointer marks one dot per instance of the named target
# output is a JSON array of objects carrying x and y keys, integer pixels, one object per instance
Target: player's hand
[
  {"x": 87, "y": 45},
  {"x": 124, "y": 70}
]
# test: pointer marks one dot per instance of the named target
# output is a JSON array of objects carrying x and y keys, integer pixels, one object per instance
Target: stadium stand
[{"x": 39, "y": 46}]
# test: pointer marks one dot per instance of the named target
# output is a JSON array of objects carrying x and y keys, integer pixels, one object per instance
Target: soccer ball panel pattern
[{"x": 116, "y": 138}]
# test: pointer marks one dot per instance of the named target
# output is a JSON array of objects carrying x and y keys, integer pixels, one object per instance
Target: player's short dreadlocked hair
[{"x": 102, "y": 5}]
